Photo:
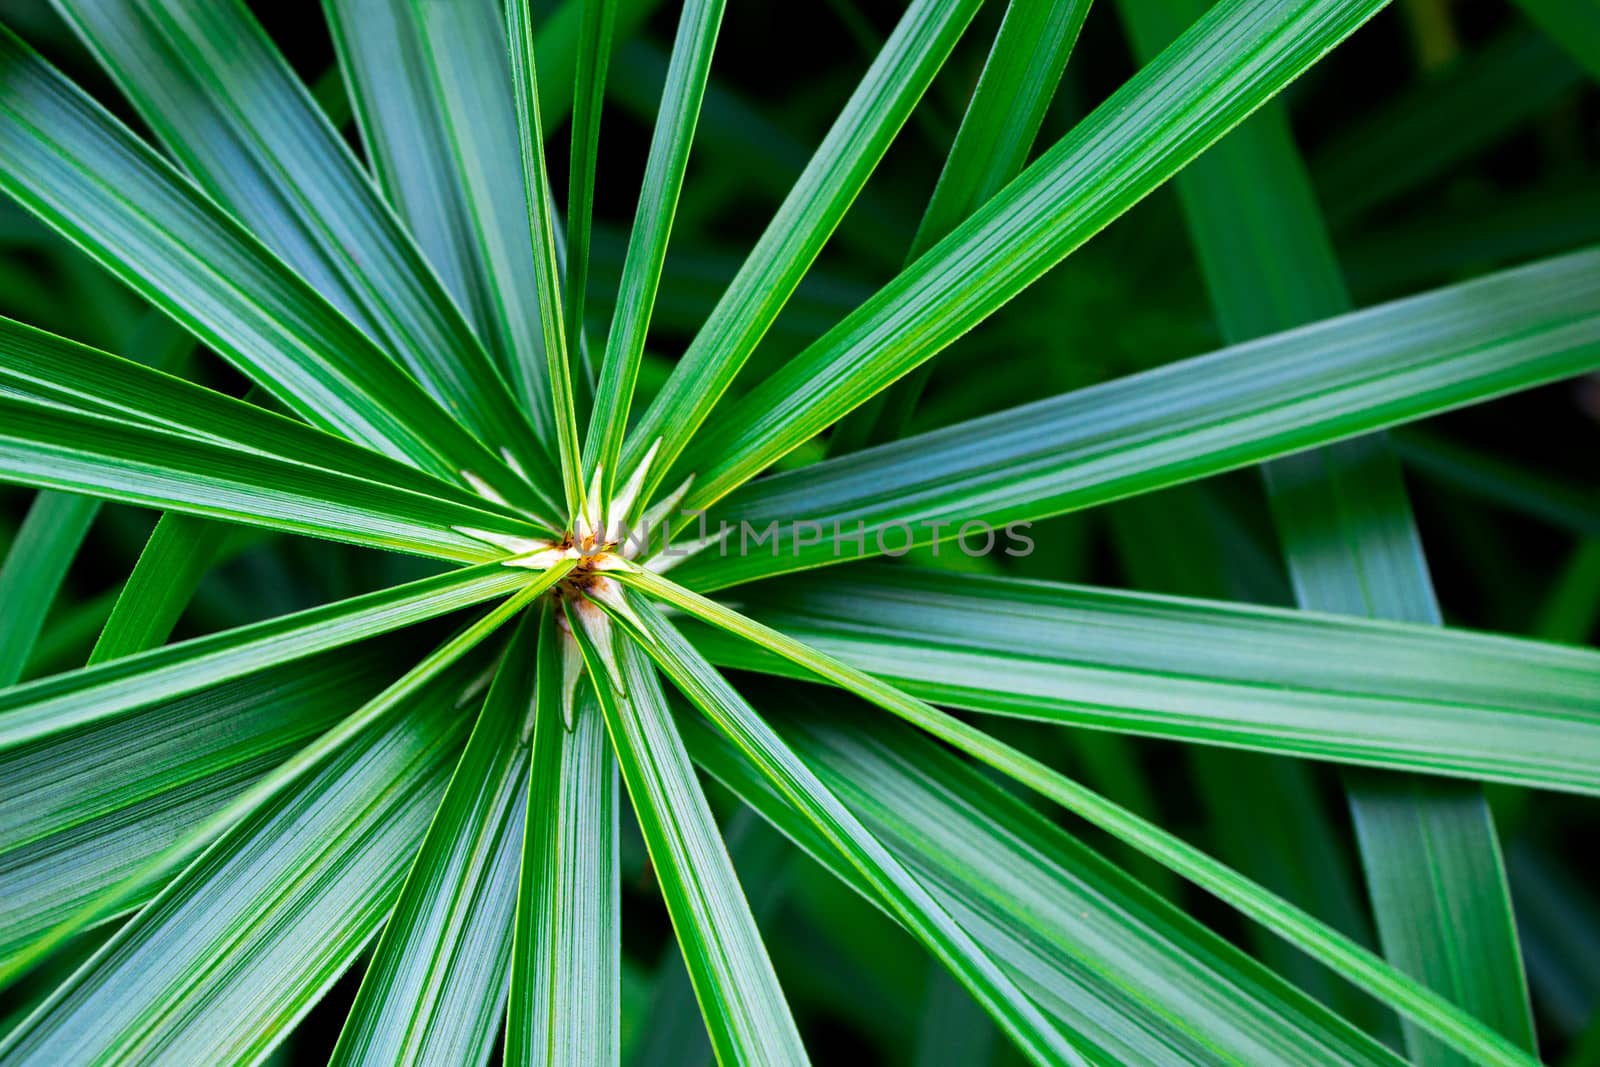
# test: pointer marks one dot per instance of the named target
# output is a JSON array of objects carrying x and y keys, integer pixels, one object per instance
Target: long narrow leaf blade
[
  {"x": 54, "y": 529},
  {"x": 224, "y": 962},
  {"x": 911, "y": 902},
  {"x": 71, "y": 700},
  {"x": 566, "y": 972},
  {"x": 226, "y": 103},
  {"x": 179, "y": 552},
  {"x": 990, "y": 148},
  {"x": 1437, "y": 701},
  {"x": 64, "y": 372},
  {"x": 1230, "y": 62},
  {"x": 432, "y": 670},
  {"x": 57, "y": 448},
  {"x": 1134, "y": 974},
  {"x": 746, "y": 1014},
  {"x": 73, "y": 164},
  {"x": 546, "y": 268},
  {"x": 1427, "y": 1008},
  {"x": 599, "y": 20},
  {"x": 1281, "y": 394},
  {"x": 35, "y": 566},
  {"x": 647, "y": 241},
  {"x": 837, "y": 171},
  {"x": 88, "y": 808},
  {"x": 1428, "y": 849},
  {"x": 435, "y": 989},
  {"x": 433, "y": 92}
]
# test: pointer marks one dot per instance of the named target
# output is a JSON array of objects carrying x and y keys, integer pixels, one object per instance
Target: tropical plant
[{"x": 434, "y": 779}]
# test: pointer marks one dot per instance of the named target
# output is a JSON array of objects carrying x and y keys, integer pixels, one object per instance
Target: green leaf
[
  {"x": 1198, "y": 417},
  {"x": 1265, "y": 816},
  {"x": 1427, "y": 1008},
  {"x": 951, "y": 1027},
  {"x": 65, "y": 373},
  {"x": 71, "y": 163},
  {"x": 1572, "y": 609},
  {"x": 34, "y": 568},
  {"x": 1433, "y": 866},
  {"x": 739, "y": 138},
  {"x": 1005, "y": 113},
  {"x": 37, "y": 561},
  {"x": 997, "y": 133},
  {"x": 670, "y": 1033},
  {"x": 1268, "y": 820},
  {"x": 434, "y": 990},
  {"x": 181, "y": 549},
  {"x": 71, "y": 632},
  {"x": 232, "y": 954},
  {"x": 91, "y": 807},
  {"x": 1438, "y": 701},
  {"x": 841, "y": 165},
  {"x": 588, "y": 95},
  {"x": 57, "y": 448},
  {"x": 369, "y": 717},
  {"x": 1228, "y": 64},
  {"x": 647, "y": 241},
  {"x": 1428, "y": 849},
  {"x": 217, "y": 92},
  {"x": 908, "y": 900},
  {"x": 745, "y": 1011},
  {"x": 77, "y": 698},
  {"x": 436, "y": 106},
  {"x": 565, "y": 975},
  {"x": 546, "y": 268},
  {"x": 1098, "y": 950},
  {"x": 1520, "y": 488}
]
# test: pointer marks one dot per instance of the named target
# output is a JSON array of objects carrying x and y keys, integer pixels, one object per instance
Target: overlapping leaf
[{"x": 1277, "y": 395}]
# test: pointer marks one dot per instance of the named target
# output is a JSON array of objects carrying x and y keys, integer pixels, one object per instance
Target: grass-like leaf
[
  {"x": 745, "y": 1011},
  {"x": 1039, "y": 900},
  {"x": 996, "y": 135},
  {"x": 546, "y": 266},
  {"x": 299, "y": 887},
  {"x": 565, "y": 1003},
  {"x": 179, "y": 552},
  {"x": 1418, "y": 1003},
  {"x": 91, "y": 807},
  {"x": 910, "y": 901},
  {"x": 35, "y": 566},
  {"x": 1428, "y": 849},
  {"x": 435, "y": 988},
  {"x": 312, "y": 758},
  {"x": 57, "y": 448},
  {"x": 71, "y": 700},
  {"x": 60, "y": 371},
  {"x": 1438, "y": 701},
  {"x": 647, "y": 240},
  {"x": 434, "y": 100},
  {"x": 54, "y": 529},
  {"x": 1280, "y": 394},
  {"x": 224, "y": 101},
  {"x": 840, "y": 167},
  {"x": 599, "y": 21},
  {"x": 70, "y": 162},
  {"x": 1230, "y": 62}
]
